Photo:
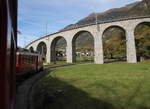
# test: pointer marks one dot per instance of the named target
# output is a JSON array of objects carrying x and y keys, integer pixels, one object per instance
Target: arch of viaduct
[{"x": 96, "y": 30}]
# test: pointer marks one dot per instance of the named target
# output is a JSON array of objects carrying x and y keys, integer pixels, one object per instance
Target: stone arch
[
  {"x": 142, "y": 40},
  {"x": 113, "y": 36},
  {"x": 113, "y": 26},
  {"x": 42, "y": 48},
  {"x": 83, "y": 32},
  {"x": 54, "y": 55},
  {"x": 31, "y": 49}
]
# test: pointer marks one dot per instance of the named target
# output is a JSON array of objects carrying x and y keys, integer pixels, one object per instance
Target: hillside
[
  {"x": 141, "y": 8},
  {"x": 135, "y": 9}
]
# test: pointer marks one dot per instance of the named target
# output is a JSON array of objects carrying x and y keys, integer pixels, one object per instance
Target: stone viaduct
[{"x": 96, "y": 30}]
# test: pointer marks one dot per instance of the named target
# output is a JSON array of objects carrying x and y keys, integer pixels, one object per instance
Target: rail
[{"x": 89, "y": 24}]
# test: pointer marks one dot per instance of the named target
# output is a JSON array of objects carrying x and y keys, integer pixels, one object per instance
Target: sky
[{"x": 37, "y": 18}]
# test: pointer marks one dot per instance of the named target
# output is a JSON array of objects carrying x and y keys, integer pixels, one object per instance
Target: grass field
[
  {"x": 84, "y": 59},
  {"x": 117, "y": 85}
]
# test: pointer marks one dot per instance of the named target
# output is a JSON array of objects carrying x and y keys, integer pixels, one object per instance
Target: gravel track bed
[{"x": 24, "y": 90}]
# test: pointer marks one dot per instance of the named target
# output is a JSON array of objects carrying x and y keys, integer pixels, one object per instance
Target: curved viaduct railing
[{"x": 89, "y": 24}]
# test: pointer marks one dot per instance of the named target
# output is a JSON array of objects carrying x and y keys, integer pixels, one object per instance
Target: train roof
[
  {"x": 28, "y": 53},
  {"x": 24, "y": 51}
]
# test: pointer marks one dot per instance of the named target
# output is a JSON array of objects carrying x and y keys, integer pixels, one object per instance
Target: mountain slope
[
  {"x": 135, "y": 9},
  {"x": 114, "y": 39},
  {"x": 142, "y": 9}
]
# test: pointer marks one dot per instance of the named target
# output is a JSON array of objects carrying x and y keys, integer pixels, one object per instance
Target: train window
[
  {"x": 31, "y": 59},
  {"x": 24, "y": 59},
  {"x": 28, "y": 59}
]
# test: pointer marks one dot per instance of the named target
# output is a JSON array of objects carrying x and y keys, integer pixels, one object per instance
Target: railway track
[{"x": 24, "y": 89}]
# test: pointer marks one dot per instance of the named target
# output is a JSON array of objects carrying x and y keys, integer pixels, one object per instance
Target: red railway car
[
  {"x": 8, "y": 43},
  {"x": 27, "y": 63}
]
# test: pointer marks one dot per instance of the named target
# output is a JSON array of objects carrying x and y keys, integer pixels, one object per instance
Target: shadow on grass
[
  {"x": 114, "y": 60},
  {"x": 57, "y": 94}
]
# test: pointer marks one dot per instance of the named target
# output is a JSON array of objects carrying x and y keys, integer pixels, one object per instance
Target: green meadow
[{"x": 117, "y": 85}]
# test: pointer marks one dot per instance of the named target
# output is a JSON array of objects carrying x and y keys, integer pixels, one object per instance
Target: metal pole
[
  {"x": 46, "y": 30},
  {"x": 96, "y": 22},
  {"x": 96, "y": 18}
]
